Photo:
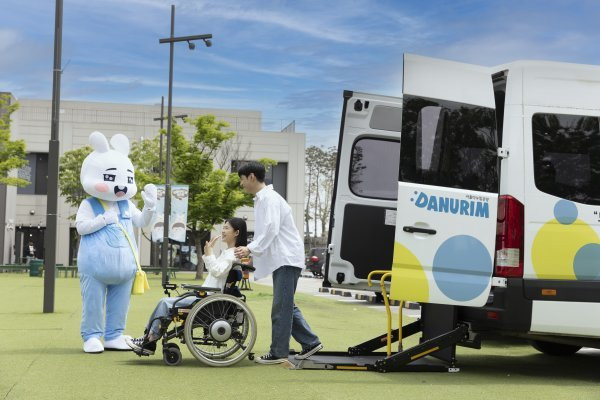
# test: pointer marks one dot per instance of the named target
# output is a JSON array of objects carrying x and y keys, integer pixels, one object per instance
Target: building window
[
  {"x": 36, "y": 173},
  {"x": 374, "y": 168},
  {"x": 566, "y": 156},
  {"x": 275, "y": 175}
]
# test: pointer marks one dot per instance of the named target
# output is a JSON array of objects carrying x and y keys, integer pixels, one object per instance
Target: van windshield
[
  {"x": 449, "y": 144},
  {"x": 566, "y": 156}
]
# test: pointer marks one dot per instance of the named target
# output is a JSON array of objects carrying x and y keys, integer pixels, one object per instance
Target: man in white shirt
[{"x": 277, "y": 249}]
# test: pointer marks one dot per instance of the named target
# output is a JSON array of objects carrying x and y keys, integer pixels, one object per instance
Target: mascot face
[{"x": 108, "y": 173}]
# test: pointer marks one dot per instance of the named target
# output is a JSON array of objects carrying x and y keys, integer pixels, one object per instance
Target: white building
[{"x": 24, "y": 209}]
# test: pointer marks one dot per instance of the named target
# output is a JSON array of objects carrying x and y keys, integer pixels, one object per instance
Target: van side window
[
  {"x": 386, "y": 118},
  {"x": 449, "y": 144},
  {"x": 374, "y": 168},
  {"x": 566, "y": 156}
]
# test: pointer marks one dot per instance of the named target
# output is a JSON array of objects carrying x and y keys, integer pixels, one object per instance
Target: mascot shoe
[
  {"x": 118, "y": 344},
  {"x": 93, "y": 345}
]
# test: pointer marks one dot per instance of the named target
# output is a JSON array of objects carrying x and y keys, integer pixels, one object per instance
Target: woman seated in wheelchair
[{"x": 220, "y": 275}]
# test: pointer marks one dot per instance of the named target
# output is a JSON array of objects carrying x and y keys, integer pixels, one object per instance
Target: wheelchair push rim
[{"x": 220, "y": 330}]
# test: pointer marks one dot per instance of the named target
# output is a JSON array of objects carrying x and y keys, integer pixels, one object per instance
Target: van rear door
[
  {"x": 361, "y": 229},
  {"x": 448, "y": 184}
]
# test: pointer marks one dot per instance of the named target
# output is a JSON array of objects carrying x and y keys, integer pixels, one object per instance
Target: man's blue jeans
[{"x": 286, "y": 318}]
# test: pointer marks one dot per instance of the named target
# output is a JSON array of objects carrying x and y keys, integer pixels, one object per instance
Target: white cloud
[
  {"x": 342, "y": 22},
  {"x": 131, "y": 80},
  {"x": 106, "y": 3},
  {"x": 312, "y": 26},
  {"x": 500, "y": 48},
  {"x": 290, "y": 70}
]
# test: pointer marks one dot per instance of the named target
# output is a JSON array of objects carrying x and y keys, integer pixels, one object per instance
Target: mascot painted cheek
[{"x": 106, "y": 259}]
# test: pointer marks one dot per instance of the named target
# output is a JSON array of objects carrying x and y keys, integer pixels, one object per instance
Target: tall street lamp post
[
  {"x": 53, "y": 154},
  {"x": 172, "y": 40},
  {"x": 154, "y": 255},
  {"x": 161, "y": 119}
]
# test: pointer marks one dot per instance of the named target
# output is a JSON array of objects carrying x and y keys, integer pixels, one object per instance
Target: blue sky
[{"x": 289, "y": 59}]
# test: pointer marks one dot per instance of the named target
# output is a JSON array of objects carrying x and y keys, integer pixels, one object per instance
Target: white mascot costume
[{"x": 106, "y": 259}]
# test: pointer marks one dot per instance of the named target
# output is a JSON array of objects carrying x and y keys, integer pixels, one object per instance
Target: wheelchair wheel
[
  {"x": 220, "y": 330},
  {"x": 172, "y": 354}
]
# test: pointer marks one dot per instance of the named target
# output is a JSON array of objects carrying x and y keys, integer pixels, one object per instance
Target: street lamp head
[
  {"x": 191, "y": 45},
  {"x": 207, "y": 42}
]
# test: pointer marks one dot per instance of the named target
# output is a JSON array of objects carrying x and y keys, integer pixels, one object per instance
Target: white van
[{"x": 479, "y": 188}]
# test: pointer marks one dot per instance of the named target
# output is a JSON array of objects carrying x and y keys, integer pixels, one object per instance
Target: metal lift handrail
[
  {"x": 364, "y": 357},
  {"x": 388, "y": 311}
]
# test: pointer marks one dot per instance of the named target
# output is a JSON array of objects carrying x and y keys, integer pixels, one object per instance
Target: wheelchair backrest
[{"x": 231, "y": 284}]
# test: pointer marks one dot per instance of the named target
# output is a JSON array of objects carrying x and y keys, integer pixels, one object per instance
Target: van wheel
[{"x": 555, "y": 349}]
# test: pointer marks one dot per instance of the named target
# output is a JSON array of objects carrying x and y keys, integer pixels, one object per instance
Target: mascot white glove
[
  {"x": 149, "y": 195},
  {"x": 110, "y": 217}
]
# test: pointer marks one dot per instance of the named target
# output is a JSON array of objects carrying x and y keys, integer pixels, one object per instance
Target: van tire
[{"x": 555, "y": 349}]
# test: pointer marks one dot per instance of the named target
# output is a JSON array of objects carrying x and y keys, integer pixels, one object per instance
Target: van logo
[{"x": 450, "y": 205}]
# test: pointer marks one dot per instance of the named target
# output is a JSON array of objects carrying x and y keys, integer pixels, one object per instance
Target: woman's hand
[{"x": 208, "y": 247}]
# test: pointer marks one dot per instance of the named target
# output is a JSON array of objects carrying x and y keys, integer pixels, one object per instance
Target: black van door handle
[{"x": 414, "y": 229}]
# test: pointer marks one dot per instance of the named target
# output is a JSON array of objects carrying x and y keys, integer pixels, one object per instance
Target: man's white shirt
[{"x": 276, "y": 239}]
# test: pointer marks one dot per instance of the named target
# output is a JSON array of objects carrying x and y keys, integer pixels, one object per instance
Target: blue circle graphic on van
[
  {"x": 462, "y": 267},
  {"x": 565, "y": 212},
  {"x": 586, "y": 264}
]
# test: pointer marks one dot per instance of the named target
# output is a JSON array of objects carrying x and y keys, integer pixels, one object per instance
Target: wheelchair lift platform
[
  {"x": 436, "y": 351},
  {"x": 343, "y": 362}
]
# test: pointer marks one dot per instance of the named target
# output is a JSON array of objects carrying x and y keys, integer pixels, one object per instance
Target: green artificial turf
[{"x": 41, "y": 358}]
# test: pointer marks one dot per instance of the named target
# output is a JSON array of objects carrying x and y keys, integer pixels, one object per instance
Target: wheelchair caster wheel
[
  {"x": 172, "y": 354},
  {"x": 251, "y": 356}
]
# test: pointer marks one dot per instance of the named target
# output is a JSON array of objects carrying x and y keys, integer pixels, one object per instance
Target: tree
[
  {"x": 231, "y": 150},
  {"x": 320, "y": 171},
  {"x": 12, "y": 152},
  {"x": 311, "y": 161},
  {"x": 328, "y": 179},
  {"x": 145, "y": 156},
  {"x": 214, "y": 194},
  {"x": 69, "y": 182}
]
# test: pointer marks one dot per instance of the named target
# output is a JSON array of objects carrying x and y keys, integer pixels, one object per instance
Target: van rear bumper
[{"x": 507, "y": 309}]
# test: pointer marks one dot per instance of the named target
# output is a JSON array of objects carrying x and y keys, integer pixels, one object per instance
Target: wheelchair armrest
[{"x": 199, "y": 288}]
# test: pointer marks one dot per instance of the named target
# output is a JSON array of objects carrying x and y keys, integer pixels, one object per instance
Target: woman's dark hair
[
  {"x": 253, "y": 167},
  {"x": 239, "y": 224}
]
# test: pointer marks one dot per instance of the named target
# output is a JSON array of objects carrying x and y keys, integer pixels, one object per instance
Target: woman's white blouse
[{"x": 218, "y": 268}]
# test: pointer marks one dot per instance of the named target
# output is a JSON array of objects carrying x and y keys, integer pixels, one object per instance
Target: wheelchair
[{"x": 218, "y": 328}]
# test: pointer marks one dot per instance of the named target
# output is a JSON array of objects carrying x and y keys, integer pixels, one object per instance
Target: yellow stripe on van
[{"x": 409, "y": 281}]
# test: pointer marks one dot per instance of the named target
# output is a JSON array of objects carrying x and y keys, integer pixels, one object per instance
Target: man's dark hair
[{"x": 253, "y": 167}]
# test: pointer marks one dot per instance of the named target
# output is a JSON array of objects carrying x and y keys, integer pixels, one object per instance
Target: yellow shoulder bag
[{"x": 140, "y": 283}]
